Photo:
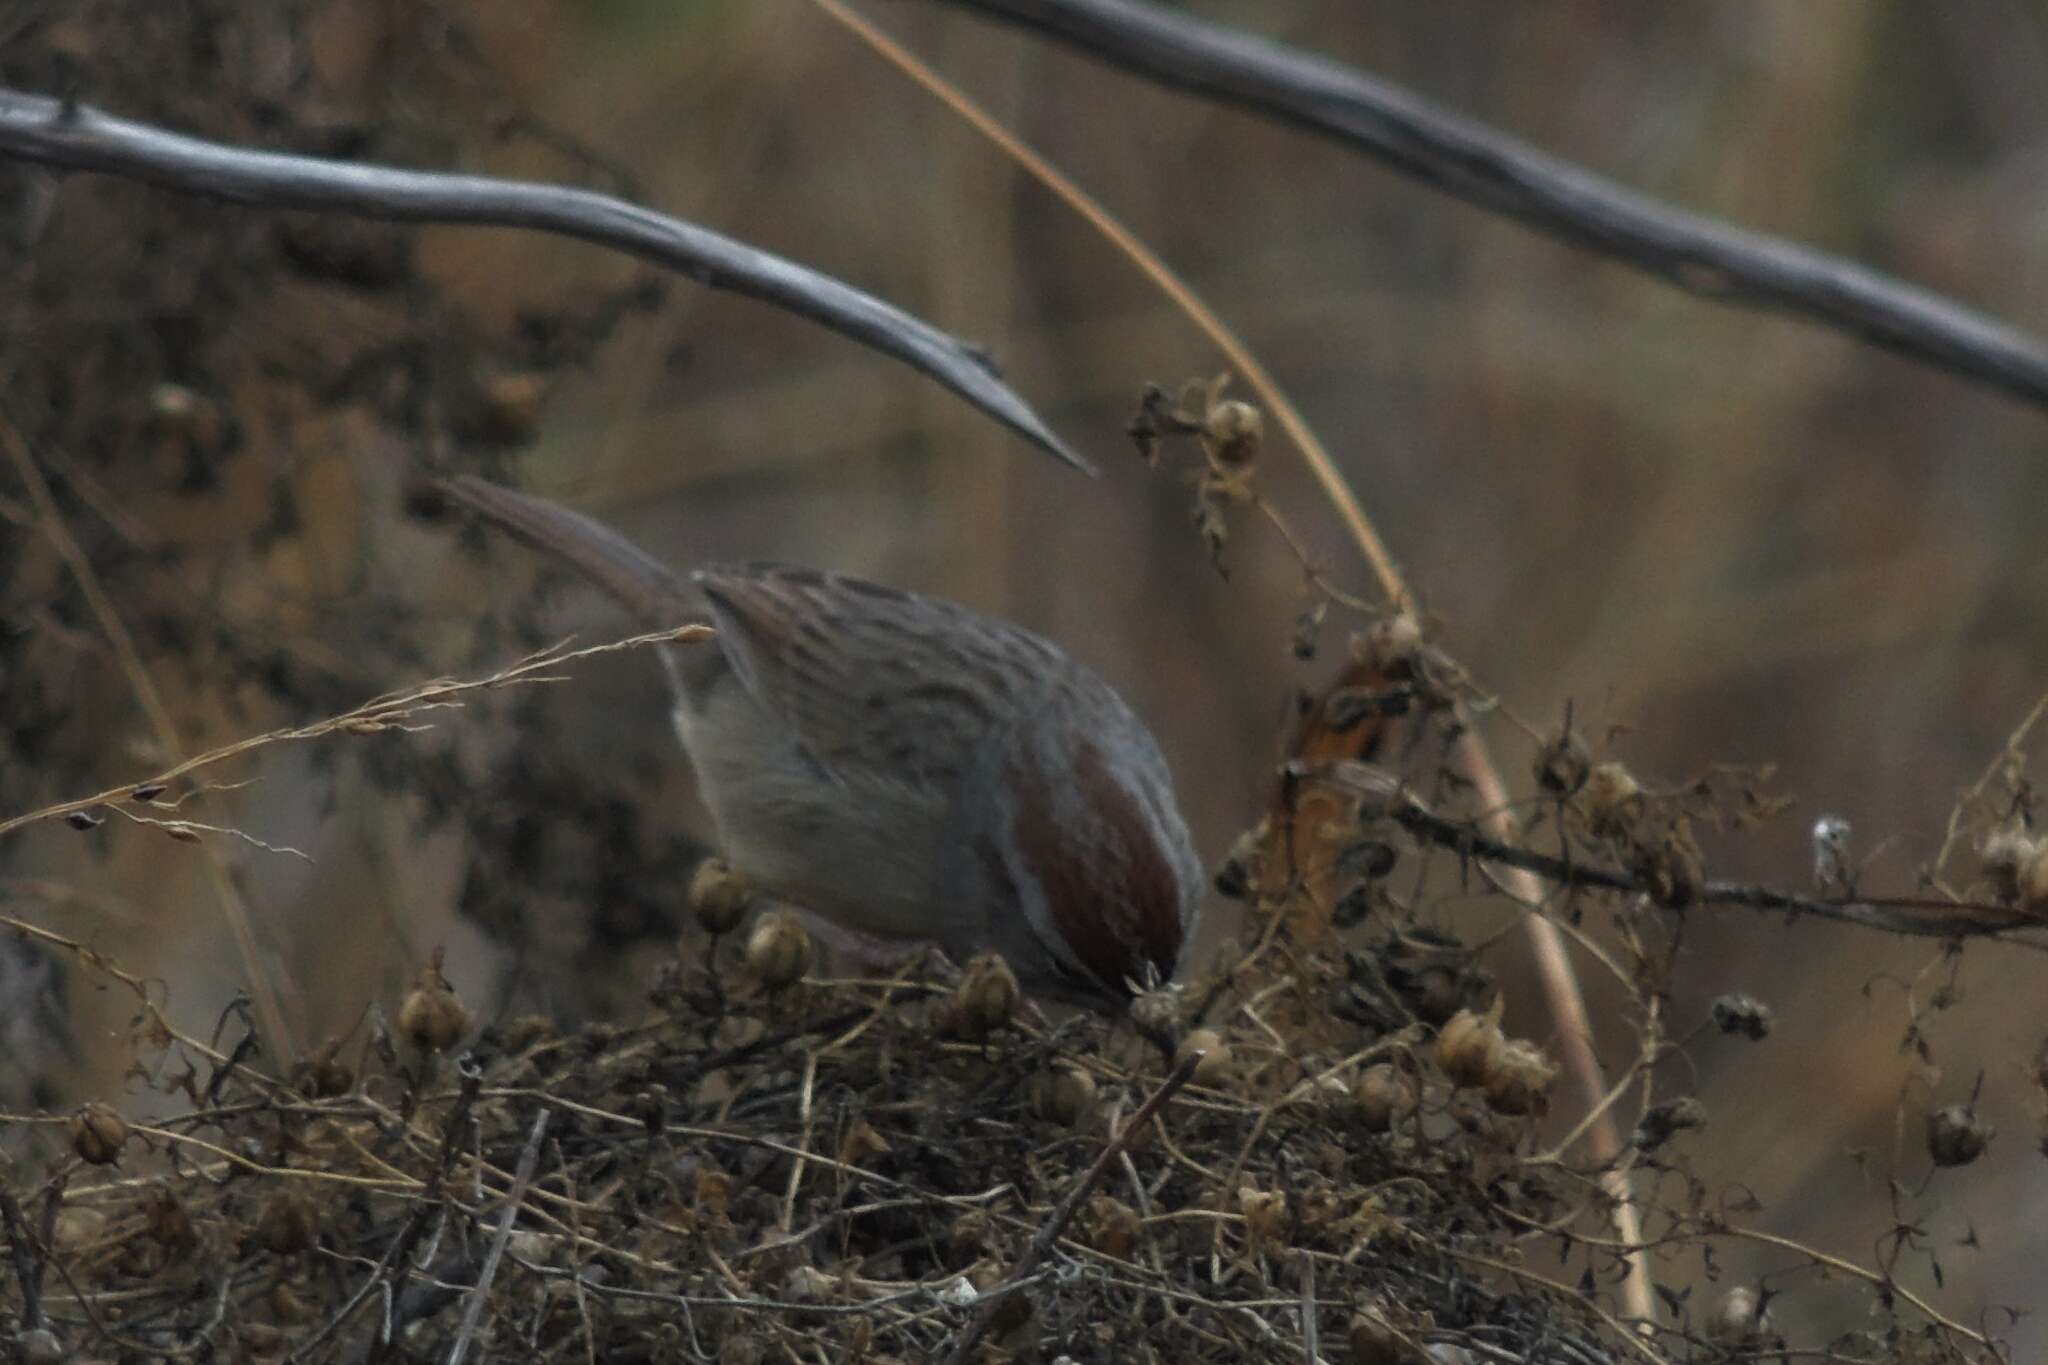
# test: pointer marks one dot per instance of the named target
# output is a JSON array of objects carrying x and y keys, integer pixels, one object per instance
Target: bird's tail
[{"x": 648, "y": 588}]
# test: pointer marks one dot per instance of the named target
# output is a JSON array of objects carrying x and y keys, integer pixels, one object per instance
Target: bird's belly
[{"x": 860, "y": 853}]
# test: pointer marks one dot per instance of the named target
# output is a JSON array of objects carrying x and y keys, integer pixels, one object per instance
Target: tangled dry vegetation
[
  {"x": 1338, "y": 1154},
  {"x": 1329, "y": 1150}
]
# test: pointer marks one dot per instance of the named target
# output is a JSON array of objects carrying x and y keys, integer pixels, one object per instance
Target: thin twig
[
  {"x": 393, "y": 711},
  {"x": 1049, "y": 1231}
]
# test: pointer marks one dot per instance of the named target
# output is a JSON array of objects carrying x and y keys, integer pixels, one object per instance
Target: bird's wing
[{"x": 878, "y": 685}]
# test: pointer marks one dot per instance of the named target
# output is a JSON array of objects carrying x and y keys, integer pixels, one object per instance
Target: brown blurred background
[{"x": 1739, "y": 537}]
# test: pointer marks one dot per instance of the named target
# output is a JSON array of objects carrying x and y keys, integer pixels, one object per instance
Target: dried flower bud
[
  {"x": 1064, "y": 1095},
  {"x": 432, "y": 1016},
  {"x": 1109, "y": 1226},
  {"x": 83, "y": 820},
  {"x": 1563, "y": 763},
  {"x": 1744, "y": 1014},
  {"x": 1232, "y": 433},
  {"x": 1737, "y": 1319},
  {"x": 1215, "y": 1063},
  {"x": 1611, "y": 798},
  {"x": 779, "y": 949},
  {"x": 719, "y": 896},
  {"x": 1385, "y": 1097},
  {"x": 98, "y": 1134},
  {"x": 1470, "y": 1045},
  {"x": 985, "y": 998},
  {"x": 1520, "y": 1080},
  {"x": 1956, "y": 1136}
]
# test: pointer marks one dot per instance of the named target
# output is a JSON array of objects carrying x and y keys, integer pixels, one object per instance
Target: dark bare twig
[
  {"x": 75, "y": 137},
  {"x": 1504, "y": 175},
  {"x": 26, "y": 1271},
  {"x": 1049, "y": 1231},
  {"x": 1916, "y": 916},
  {"x": 393, "y": 1265}
]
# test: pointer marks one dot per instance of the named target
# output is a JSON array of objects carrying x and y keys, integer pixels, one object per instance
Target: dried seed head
[
  {"x": 285, "y": 1227},
  {"x": 2007, "y": 853},
  {"x": 1743, "y": 1014},
  {"x": 1956, "y": 1136},
  {"x": 1434, "y": 993},
  {"x": 1232, "y": 433},
  {"x": 1308, "y": 630},
  {"x": 1265, "y": 1213},
  {"x": 1737, "y": 1319},
  {"x": 1666, "y": 1121},
  {"x": 76, "y": 1228},
  {"x": 98, "y": 1134},
  {"x": 1373, "y": 1340},
  {"x": 1563, "y": 763},
  {"x": 1064, "y": 1095},
  {"x": 1470, "y": 1045},
  {"x": 985, "y": 998},
  {"x": 1669, "y": 866},
  {"x": 320, "y": 1078},
  {"x": 1520, "y": 1080},
  {"x": 168, "y": 1223},
  {"x": 432, "y": 1016},
  {"x": 1110, "y": 1227},
  {"x": 1215, "y": 1063},
  {"x": 1238, "y": 877},
  {"x": 1390, "y": 645},
  {"x": 1831, "y": 871},
  {"x": 779, "y": 949},
  {"x": 2033, "y": 881},
  {"x": 719, "y": 896},
  {"x": 1385, "y": 1097},
  {"x": 1611, "y": 798},
  {"x": 968, "y": 1235},
  {"x": 861, "y": 1142}
]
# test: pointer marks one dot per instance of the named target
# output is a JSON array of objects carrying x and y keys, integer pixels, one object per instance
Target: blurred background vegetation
[{"x": 1722, "y": 536}]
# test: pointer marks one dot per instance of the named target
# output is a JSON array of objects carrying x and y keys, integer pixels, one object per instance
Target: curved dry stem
[{"x": 1560, "y": 981}]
